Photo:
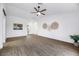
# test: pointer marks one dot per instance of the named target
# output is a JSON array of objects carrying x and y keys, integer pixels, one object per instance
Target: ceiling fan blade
[
  {"x": 43, "y": 10},
  {"x": 42, "y": 13},
  {"x": 4, "y": 12},
  {"x": 35, "y": 9},
  {"x": 33, "y": 12}
]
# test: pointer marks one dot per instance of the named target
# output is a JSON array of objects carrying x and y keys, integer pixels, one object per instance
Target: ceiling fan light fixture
[{"x": 38, "y": 13}]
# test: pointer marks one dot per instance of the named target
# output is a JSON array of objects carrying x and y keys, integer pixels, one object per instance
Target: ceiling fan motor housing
[{"x": 38, "y": 6}]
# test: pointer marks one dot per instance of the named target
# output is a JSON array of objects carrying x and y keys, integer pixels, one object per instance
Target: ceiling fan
[
  {"x": 4, "y": 12},
  {"x": 38, "y": 11}
]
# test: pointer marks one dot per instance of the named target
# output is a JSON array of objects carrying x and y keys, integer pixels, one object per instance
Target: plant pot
[{"x": 76, "y": 44}]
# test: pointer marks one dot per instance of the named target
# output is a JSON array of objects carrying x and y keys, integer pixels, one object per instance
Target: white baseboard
[
  {"x": 1, "y": 45},
  {"x": 4, "y": 41}
]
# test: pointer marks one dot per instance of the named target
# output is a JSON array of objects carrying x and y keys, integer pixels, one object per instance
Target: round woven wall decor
[
  {"x": 54, "y": 25},
  {"x": 45, "y": 26}
]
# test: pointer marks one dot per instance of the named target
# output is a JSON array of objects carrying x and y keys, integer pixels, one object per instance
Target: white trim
[{"x": 1, "y": 45}]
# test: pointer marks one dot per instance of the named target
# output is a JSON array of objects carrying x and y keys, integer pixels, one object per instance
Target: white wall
[
  {"x": 13, "y": 33},
  {"x": 68, "y": 24},
  {"x": 2, "y": 26}
]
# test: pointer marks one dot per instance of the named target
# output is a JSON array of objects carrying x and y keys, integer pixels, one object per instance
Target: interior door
[{"x": 32, "y": 28}]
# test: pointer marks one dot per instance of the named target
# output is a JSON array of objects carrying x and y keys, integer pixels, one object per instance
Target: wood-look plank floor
[{"x": 34, "y": 45}]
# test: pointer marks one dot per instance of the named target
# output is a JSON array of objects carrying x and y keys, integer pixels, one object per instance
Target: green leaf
[{"x": 75, "y": 37}]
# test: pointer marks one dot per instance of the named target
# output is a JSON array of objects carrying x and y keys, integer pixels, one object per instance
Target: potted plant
[{"x": 75, "y": 38}]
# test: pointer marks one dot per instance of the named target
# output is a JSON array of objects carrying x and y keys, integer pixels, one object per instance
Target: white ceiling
[{"x": 24, "y": 9}]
